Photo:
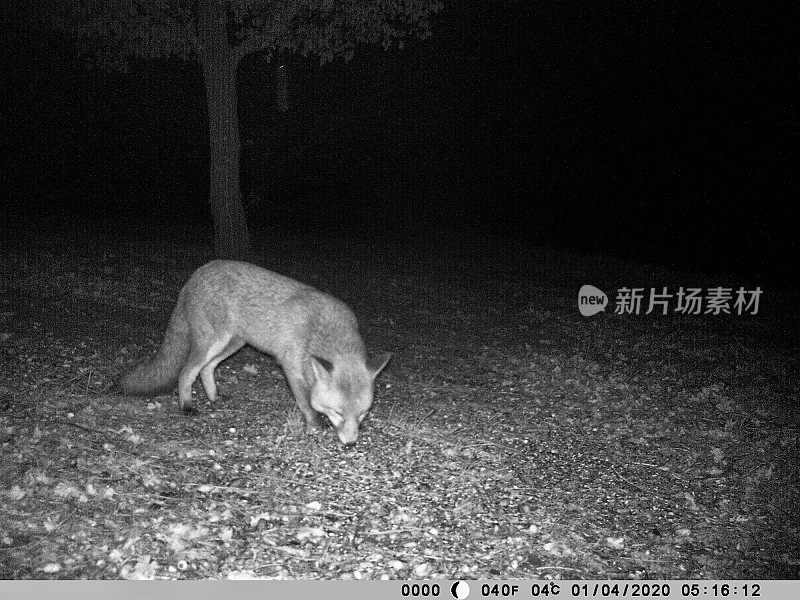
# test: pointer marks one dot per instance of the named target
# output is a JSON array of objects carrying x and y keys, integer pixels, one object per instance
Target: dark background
[{"x": 656, "y": 131}]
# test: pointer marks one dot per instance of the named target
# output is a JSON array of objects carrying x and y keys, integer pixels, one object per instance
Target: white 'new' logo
[{"x": 591, "y": 300}]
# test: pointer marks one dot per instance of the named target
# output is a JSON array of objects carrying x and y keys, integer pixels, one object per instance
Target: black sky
[{"x": 657, "y": 130}]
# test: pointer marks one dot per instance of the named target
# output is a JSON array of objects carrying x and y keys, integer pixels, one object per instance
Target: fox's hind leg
[
  {"x": 207, "y": 372},
  {"x": 200, "y": 357},
  {"x": 186, "y": 378}
]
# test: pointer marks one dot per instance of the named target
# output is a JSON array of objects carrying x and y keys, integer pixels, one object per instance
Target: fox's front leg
[{"x": 302, "y": 395}]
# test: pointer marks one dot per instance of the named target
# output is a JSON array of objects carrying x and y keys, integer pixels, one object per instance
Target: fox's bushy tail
[{"x": 161, "y": 373}]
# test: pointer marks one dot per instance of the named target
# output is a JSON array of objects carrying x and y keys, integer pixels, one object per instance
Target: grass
[{"x": 510, "y": 438}]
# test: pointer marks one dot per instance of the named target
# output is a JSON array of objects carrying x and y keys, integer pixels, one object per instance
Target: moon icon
[{"x": 460, "y": 590}]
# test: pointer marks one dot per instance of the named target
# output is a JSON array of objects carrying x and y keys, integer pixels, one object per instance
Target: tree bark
[{"x": 220, "y": 63}]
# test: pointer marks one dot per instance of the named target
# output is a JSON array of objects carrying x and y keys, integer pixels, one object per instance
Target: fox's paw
[{"x": 189, "y": 410}]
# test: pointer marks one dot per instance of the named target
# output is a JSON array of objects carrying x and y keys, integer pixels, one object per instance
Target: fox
[{"x": 228, "y": 304}]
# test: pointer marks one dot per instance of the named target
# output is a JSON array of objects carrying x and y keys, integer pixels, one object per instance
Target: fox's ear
[
  {"x": 321, "y": 367},
  {"x": 377, "y": 362}
]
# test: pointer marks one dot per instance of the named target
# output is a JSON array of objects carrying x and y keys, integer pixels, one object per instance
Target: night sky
[{"x": 655, "y": 131}]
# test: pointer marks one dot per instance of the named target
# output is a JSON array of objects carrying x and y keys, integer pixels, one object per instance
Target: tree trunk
[
  {"x": 281, "y": 86},
  {"x": 231, "y": 235}
]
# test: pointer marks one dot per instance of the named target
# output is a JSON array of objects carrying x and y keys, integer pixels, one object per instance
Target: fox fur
[{"x": 227, "y": 304}]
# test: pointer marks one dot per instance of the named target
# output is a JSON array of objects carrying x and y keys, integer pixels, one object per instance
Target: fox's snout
[{"x": 347, "y": 431}]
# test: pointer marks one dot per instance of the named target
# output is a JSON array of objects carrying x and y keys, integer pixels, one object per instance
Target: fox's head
[{"x": 343, "y": 391}]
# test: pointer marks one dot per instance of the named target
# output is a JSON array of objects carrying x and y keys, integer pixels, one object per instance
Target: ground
[{"x": 510, "y": 438}]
